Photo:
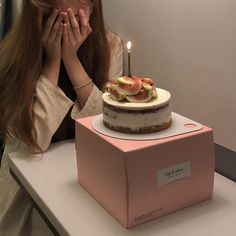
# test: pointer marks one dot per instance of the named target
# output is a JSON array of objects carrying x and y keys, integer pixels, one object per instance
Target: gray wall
[{"x": 188, "y": 48}]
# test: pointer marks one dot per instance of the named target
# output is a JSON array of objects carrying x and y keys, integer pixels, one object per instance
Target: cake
[{"x": 134, "y": 105}]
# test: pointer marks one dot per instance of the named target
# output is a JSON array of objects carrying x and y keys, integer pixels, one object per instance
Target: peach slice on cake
[
  {"x": 144, "y": 95},
  {"x": 147, "y": 81},
  {"x": 154, "y": 92},
  {"x": 114, "y": 92},
  {"x": 129, "y": 85}
]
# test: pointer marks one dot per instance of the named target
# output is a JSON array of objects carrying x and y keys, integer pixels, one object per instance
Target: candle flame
[{"x": 129, "y": 45}]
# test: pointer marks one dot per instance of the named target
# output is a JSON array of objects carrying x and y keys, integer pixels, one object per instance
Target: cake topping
[{"x": 132, "y": 89}]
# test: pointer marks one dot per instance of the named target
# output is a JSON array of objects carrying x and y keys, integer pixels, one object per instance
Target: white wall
[{"x": 189, "y": 48}]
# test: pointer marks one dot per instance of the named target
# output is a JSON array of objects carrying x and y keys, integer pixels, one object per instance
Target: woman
[{"x": 57, "y": 55}]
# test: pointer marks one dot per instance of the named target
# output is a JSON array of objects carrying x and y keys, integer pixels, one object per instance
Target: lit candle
[{"x": 129, "y": 45}]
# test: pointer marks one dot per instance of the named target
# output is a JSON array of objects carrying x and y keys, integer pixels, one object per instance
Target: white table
[{"x": 52, "y": 183}]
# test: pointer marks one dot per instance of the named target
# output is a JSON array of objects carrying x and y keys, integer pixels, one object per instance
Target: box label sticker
[{"x": 173, "y": 173}]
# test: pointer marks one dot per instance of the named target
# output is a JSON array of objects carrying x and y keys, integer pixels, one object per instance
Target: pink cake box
[{"x": 138, "y": 181}]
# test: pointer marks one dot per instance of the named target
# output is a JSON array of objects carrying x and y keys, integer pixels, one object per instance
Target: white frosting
[
  {"x": 137, "y": 121},
  {"x": 162, "y": 99}
]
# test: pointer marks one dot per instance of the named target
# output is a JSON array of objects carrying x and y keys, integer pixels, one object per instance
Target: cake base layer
[{"x": 141, "y": 130}]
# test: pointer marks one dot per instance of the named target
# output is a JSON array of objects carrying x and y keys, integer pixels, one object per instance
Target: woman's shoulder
[{"x": 113, "y": 39}]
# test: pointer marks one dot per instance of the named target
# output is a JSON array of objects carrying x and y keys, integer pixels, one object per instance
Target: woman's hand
[
  {"x": 74, "y": 34},
  {"x": 51, "y": 37}
]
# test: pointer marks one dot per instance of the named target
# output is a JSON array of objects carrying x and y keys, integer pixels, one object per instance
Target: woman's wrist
[
  {"x": 74, "y": 68},
  {"x": 70, "y": 59},
  {"x": 80, "y": 80},
  {"x": 51, "y": 70},
  {"x": 55, "y": 63}
]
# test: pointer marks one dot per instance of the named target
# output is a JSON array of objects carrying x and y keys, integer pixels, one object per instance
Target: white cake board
[{"x": 180, "y": 125}]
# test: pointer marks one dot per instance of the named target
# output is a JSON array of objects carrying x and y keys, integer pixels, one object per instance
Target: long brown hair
[{"x": 21, "y": 64}]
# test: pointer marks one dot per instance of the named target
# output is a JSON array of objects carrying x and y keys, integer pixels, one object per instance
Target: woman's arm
[
  {"x": 93, "y": 105},
  {"x": 82, "y": 84},
  {"x": 50, "y": 106},
  {"x": 51, "y": 38},
  {"x": 73, "y": 37}
]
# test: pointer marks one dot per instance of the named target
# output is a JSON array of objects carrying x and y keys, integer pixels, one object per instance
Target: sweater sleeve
[
  {"x": 116, "y": 65},
  {"x": 50, "y": 106},
  {"x": 93, "y": 105}
]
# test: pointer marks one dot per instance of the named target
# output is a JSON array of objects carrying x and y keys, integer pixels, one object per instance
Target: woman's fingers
[
  {"x": 59, "y": 33},
  {"x": 49, "y": 24},
  {"x": 70, "y": 34},
  {"x": 56, "y": 27},
  {"x": 74, "y": 24},
  {"x": 65, "y": 34},
  {"x": 84, "y": 23}
]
